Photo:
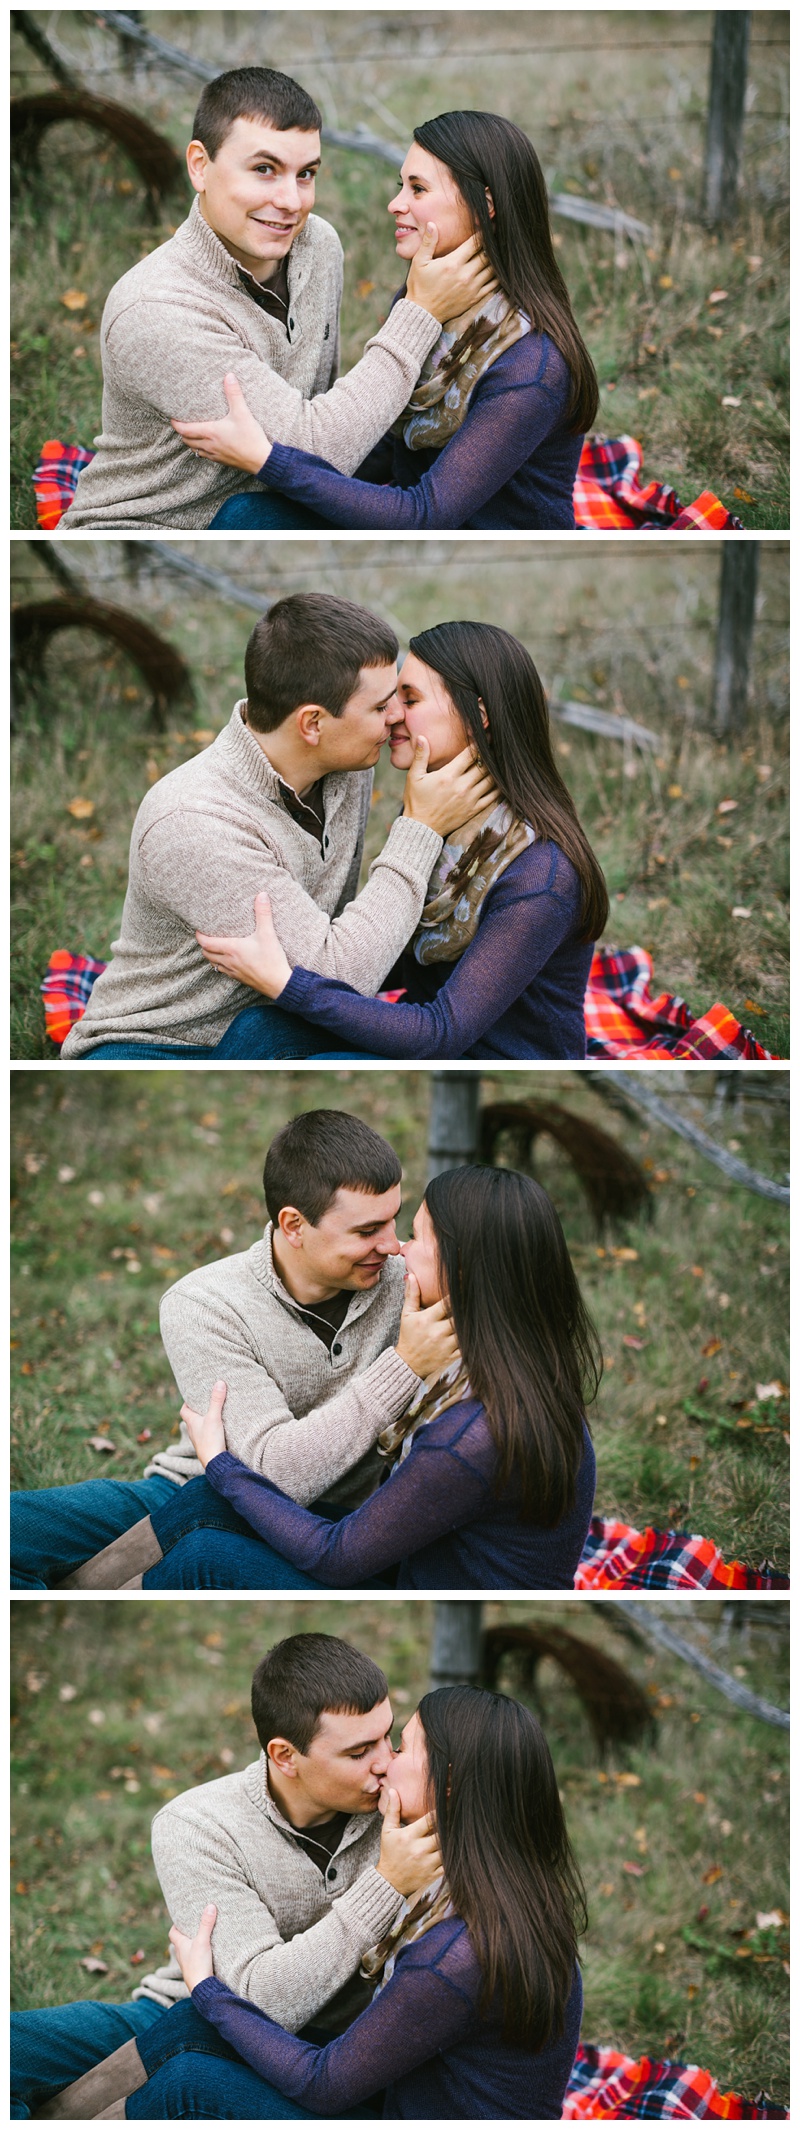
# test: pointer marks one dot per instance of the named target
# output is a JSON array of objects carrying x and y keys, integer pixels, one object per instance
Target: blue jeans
[
  {"x": 266, "y": 511},
  {"x": 52, "y": 2047},
  {"x": 208, "y": 1546},
  {"x": 193, "y": 2073},
  {"x": 259, "y": 1031},
  {"x": 57, "y": 1528}
]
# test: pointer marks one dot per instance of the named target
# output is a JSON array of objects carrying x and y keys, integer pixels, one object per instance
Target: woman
[
  {"x": 477, "y": 2002},
  {"x": 492, "y": 435},
  {"x": 499, "y": 964},
  {"x": 490, "y": 1471}
]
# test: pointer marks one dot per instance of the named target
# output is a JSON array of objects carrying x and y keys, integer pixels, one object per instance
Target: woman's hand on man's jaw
[
  {"x": 444, "y": 798},
  {"x": 194, "y": 1955},
  {"x": 257, "y": 960},
  {"x": 426, "y": 1340},
  {"x": 237, "y": 440},
  {"x": 205, "y": 1430}
]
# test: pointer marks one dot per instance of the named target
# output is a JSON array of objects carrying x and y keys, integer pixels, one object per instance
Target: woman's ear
[
  {"x": 484, "y": 713},
  {"x": 490, "y": 202}
]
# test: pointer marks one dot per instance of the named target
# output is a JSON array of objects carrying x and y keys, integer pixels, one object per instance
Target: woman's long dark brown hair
[
  {"x": 486, "y": 153},
  {"x": 528, "y": 1343},
  {"x": 481, "y": 664},
  {"x": 507, "y": 1859}
]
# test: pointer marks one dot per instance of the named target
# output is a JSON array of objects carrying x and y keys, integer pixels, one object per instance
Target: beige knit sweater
[
  {"x": 205, "y": 839},
  {"x": 172, "y": 327},
  {"x": 285, "y": 1937},
  {"x": 302, "y": 1416}
]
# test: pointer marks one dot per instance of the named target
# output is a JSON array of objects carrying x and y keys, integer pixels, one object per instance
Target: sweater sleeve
[
  {"x": 175, "y": 355},
  {"x": 205, "y": 874},
  {"x": 514, "y": 407},
  {"x": 439, "y": 1486},
  {"x": 288, "y": 1978},
  {"x": 304, "y": 1454},
  {"x": 420, "y": 2012},
  {"x": 529, "y": 913}
]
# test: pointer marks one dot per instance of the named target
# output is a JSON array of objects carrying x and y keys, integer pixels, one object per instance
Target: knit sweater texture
[
  {"x": 177, "y": 321},
  {"x": 287, "y": 1936},
  {"x": 206, "y": 839},
  {"x": 425, "y": 2047},
  {"x": 303, "y": 1417}
]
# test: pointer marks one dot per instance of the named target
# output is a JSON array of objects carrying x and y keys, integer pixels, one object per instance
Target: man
[
  {"x": 304, "y": 1328},
  {"x": 305, "y": 1875},
  {"x": 251, "y": 282},
  {"x": 278, "y": 803}
]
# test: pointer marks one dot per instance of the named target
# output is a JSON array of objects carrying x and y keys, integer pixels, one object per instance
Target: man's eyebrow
[{"x": 265, "y": 155}]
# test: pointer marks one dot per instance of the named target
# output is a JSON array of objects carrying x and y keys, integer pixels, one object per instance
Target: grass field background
[
  {"x": 124, "y": 1181},
  {"x": 615, "y": 105},
  {"x": 682, "y": 1843},
  {"x": 685, "y": 836}
]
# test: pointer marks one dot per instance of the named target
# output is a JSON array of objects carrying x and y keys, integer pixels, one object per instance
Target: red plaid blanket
[
  {"x": 611, "y": 497},
  {"x": 609, "y": 493},
  {"x": 605, "y": 2085},
  {"x": 623, "y": 1021},
  {"x": 56, "y": 479},
  {"x": 617, "y": 1557}
]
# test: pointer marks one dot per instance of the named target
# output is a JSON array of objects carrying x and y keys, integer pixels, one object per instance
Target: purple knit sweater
[
  {"x": 511, "y": 464},
  {"x": 422, "y": 2044},
  {"x": 516, "y": 992},
  {"x": 436, "y": 1516}
]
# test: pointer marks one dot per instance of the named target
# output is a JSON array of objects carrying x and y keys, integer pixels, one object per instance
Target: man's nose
[
  {"x": 285, "y": 192},
  {"x": 388, "y": 1243},
  {"x": 393, "y": 711},
  {"x": 382, "y": 1758}
]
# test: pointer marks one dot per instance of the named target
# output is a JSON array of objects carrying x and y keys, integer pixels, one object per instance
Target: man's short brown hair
[
  {"x": 252, "y": 92},
  {"x": 306, "y": 1676},
  {"x": 322, "y": 1152},
  {"x": 311, "y": 648}
]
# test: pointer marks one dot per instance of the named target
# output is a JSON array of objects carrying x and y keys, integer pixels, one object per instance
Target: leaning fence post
[
  {"x": 734, "y": 652},
  {"x": 456, "y": 1647},
  {"x": 729, "y": 51},
  {"x": 453, "y": 1130}
]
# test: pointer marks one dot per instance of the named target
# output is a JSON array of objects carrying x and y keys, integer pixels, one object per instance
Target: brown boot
[
  {"x": 131, "y": 1554},
  {"x": 101, "y": 2091}
]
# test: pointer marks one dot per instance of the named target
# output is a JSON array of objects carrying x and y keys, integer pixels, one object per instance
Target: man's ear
[
  {"x": 197, "y": 159},
  {"x": 282, "y": 1756},
  {"x": 291, "y": 1224},
  {"x": 308, "y": 720}
]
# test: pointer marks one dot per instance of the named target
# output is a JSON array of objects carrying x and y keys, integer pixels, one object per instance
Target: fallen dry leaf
[
  {"x": 634, "y": 1871},
  {"x": 727, "y": 806},
  {"x": 100, "y": 1442},
  {"x": 637, "y": 1344},
  {"x": 364, "y": 288},
  {"x": 80, "y": 809},
  {"x": 713, "y": 1346},
  {"x": 710, "y": 1877},
  {"x": 74, "y": 299},
  {"x": 94, "y": 1967},
  {"x": 751, "y": 1007},
  {"x": 742, "y": 495},
  {"x": 718, "y": 295},
  {"x": 729, "y": 401},
  {"x": 146, "y": 1435}
]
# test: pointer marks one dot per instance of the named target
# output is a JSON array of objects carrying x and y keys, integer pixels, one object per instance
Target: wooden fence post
[
  {"x": 732, "y": 661},
  {"x": 729, "y": 52},
  {"x": 456, "y": 1648},
  {"x": 453, "y": 1129}
]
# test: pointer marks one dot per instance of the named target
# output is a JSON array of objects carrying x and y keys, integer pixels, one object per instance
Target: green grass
[
  {"x": 621, "y": 125},
  {"x": 631, "y": 629},
  {"x": 122, "y": 1183},
  {"x": 117, "y": 1707}
]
